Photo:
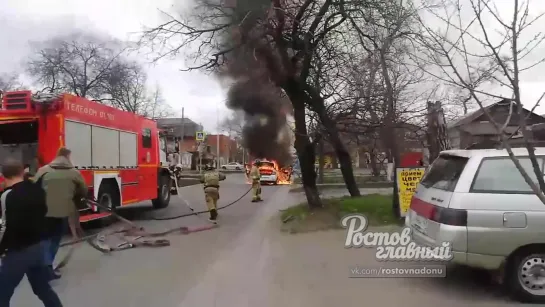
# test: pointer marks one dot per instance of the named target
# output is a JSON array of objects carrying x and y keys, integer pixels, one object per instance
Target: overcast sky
[
  {"x": 33, "y": 20},
  {"x": 532, "y": 81},
  {"x": 199, "y": 94}
]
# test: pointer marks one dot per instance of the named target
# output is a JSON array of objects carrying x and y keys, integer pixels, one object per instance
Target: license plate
[{"x": 420, "y": 223}]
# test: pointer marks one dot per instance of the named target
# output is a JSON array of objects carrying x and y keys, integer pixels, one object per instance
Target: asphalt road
[
  {"x": 247, "y": 262},
  {"x": 145, "y": 277}
]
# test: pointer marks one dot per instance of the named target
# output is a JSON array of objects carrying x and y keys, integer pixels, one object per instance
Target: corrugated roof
[
  {"x": 468, "y": 118},
  {"x": 174, "y": 126},
  {"x": 486, "y": 129},
  {"x": 174, "y": 121}
]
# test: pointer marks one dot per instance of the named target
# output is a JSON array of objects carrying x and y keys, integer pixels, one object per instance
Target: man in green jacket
[{"x": 64, "y": 186}]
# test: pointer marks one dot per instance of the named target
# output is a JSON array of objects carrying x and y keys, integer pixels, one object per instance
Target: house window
[{"x": 146, "y": 138}]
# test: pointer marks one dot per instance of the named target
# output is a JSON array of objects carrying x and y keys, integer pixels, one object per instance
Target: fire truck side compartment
[{"x": 19, "y": 140}]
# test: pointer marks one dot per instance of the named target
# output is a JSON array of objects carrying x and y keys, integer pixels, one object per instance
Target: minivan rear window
[
  {"x": 444, "y": 172},
  {"x": 499, "y": 175}
]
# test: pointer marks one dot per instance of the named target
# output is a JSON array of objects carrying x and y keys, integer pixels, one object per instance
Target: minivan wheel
[{"x": 526, "y": 277}]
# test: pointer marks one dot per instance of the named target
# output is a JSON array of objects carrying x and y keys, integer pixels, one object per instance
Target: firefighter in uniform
[
  {"x": 256, "y": 181},
  {"x": 211, "y": 180}
]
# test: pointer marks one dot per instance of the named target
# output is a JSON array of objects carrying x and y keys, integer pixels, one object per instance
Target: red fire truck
[{"x": 120, "y": 154}]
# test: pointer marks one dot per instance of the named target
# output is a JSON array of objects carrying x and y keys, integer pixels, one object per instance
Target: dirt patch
[{"x": 322, "y": 219}]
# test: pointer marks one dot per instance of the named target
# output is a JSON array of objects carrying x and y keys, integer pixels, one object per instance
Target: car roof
[{"x": 491, "y": 152}]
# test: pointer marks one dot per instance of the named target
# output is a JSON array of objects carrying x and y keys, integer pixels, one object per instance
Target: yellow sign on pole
[
  {"x": 199, "y": 136},
  {"x": 407, "y": 181}
]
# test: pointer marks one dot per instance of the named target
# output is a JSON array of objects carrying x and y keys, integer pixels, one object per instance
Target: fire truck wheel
[
  {"x": 108, "y": 196},
  {"x": 163, "y": 195}
]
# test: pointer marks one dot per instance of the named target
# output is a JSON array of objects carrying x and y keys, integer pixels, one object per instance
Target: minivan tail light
[{"x": 447, "y": 216}]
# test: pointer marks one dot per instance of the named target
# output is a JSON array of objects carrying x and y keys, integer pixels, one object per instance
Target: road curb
[
  {"x": 185, "y": 182},
  {"x": 332, "y": 186},
  {"x": 196, "y": 175}
]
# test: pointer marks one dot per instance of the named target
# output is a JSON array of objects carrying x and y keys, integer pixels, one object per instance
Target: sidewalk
[
  {"x": 241, "y": 276},
  {"x": 268, "y": 268}
]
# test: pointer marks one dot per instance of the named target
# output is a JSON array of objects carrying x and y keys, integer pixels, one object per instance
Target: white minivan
[{"x": 479, "y": 202}]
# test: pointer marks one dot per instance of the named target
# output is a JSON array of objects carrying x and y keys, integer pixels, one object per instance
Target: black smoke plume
[{"x": 265, "y": 131}]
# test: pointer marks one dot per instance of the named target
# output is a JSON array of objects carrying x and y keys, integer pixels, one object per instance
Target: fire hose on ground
[{"x": 137, "y": 232}]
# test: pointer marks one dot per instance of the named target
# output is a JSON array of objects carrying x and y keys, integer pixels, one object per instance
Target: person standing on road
[
  {"x": 64, "y": 187},
  {"x": 22, "y": 231},
  {"x": 255, "y": 176},
  {"x": 211, "y": 180}
]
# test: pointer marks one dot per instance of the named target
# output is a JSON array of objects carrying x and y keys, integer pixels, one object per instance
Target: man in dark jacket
[
  {"x": 62, "y": 184},
  {"x": 21, "y": 237}
]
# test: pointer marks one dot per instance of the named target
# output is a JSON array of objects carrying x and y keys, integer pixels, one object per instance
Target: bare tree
[
  {"x": 124, "y": 86},
  {"x": 9, "y": 82},
  {"x": 233, "y": 124},
  {"x": 467, "y": 51},
  {"x": 276, "y": 42},
  {"x": 383, "y": 31},
  {"x": 78, "y": 63},
  {"x": 156, "y": 106},
  {"x": 96, "y": 68}
]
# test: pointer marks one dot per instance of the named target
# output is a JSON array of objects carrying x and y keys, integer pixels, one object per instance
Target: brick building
[
  {"x": 228, "y": 148},
  {"x": 180, "y": 134}
]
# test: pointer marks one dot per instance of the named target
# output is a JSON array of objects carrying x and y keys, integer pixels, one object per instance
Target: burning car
[
  {"x": 268, "y": 172},
  {"x": 271, "y": 173}
]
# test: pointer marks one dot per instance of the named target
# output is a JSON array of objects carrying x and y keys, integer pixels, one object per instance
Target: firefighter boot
[
  {"x": 258, "y": 196},
  {"x": 256, "y": 192},
  {"x": 213, "y": 216}
]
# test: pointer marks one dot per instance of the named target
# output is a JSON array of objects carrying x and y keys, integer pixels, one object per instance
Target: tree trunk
[
  {"x": 321, "y": 160},
  {"x": 305, "y": 152},
  {"x": 390, "y": 135},
  {"x": 375, "y": 171},
  {"x": 340, "y": 149}
]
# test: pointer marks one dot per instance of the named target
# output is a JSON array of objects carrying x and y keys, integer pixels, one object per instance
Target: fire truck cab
[{"x": 120, "y": 154}]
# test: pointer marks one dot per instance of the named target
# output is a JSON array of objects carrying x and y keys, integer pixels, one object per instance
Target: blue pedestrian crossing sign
[{"x": 200, "y": 136}]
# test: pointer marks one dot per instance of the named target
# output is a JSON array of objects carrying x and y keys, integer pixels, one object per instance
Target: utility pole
[
  {"x": 181, "y": 143},
  {"x": 155, "y": 102},
  {"x": 201, "y": 150},
  {"x": 437, "y": 130},
  {"x": 217, "y": 136},
  {"x": 183, "y": 125}
]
